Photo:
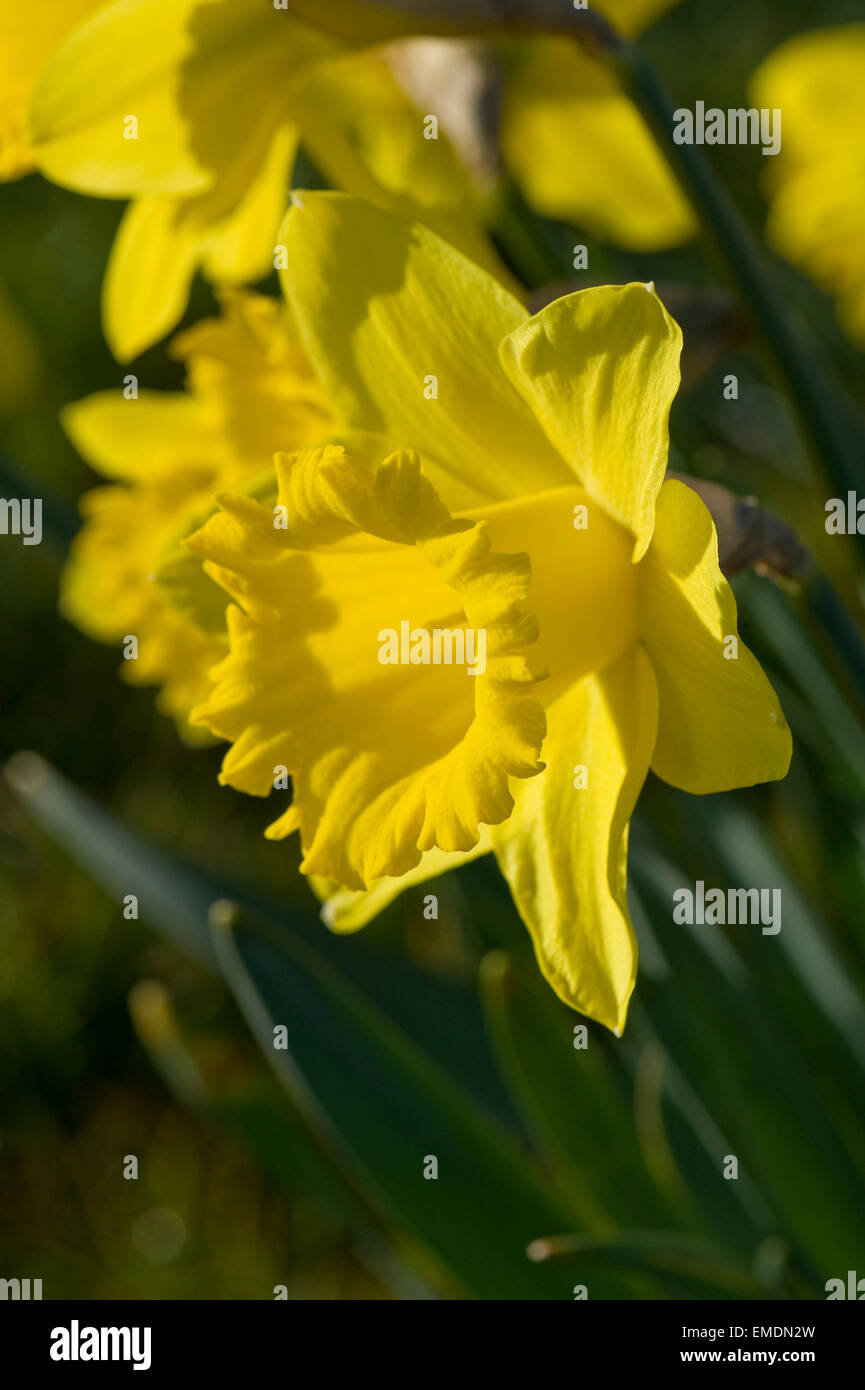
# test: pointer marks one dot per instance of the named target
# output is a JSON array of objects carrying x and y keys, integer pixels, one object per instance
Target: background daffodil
[
  {"x": 614, "y": 659},
  {"x": 579, "y": 148},
  {"x": 28, "y": 35},
  {"x": 194, "y": 109},
  {"x": 817, "y": 183},
  {"x": 581, "y": 152},
  {"x": 250, "y": 390}
]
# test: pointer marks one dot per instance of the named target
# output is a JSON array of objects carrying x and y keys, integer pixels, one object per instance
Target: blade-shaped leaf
[
  {"x": 388, "y": 1110},
  {"x": 572, "y": 1100},
  {"x": 176, "y": 896},
  {"x": 751, "y": 1074}
]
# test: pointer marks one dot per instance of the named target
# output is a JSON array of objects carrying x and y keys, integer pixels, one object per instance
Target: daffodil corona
[{"x": 525, "y": 497}]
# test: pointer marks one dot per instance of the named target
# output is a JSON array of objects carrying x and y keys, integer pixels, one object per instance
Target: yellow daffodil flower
[
  {"x": 194, "y": 109},
  {"x": 28, "y": 36},
  {"x": 518, "y": 493},
  {"x": 580, "y": 149},
  {"x": 817, "y": 182},
  {"x": 251, "y": 390}
]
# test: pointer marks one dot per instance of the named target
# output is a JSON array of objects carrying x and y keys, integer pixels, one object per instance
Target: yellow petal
[
  {"x": 564, "y": 848},
  {"x": 387, "y": 760},
  {"x": 204, "y": 80},
  {"x": 584, "y": 587},
  {"x": 600, "y": 369},
  {"x": 28, "y": 35},
  {"x": 391, "y": 314},
  {"x": 141, "y": 438},
  {"x": 155, "y": 255},
  {"x": 817, "y": 182},
  {"x": 817, "y": 222},
  {"x": 816, "y": 79},
  {"x": 581, "y": 152},
  {"x": 162, "y": 241},
  {"x": 106, "y": 591},
  {"x": 240, "y": 246},
  {"x": 720, "y": 723}
]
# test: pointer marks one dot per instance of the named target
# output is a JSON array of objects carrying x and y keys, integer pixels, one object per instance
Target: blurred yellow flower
[
  {"x": 194, "y": 109},
  {"x": 28, "y": 35},
  {"x": 817, "y": 183},
  {"x": 519, "y": 494},
  {"x": 250, "y": 392},
  {"x": 582, "y": 152}
]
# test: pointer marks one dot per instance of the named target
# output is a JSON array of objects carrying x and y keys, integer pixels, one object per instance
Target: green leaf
[
  {"x": 254, "y": 1111},
  {"x": 121, "y": 862},
  {"x": 752, "y": 1074},
  {"x": 374, "y": 1094},
  {"x": 384, "y": 1108},
  {"x": 572, "y": 1099},
  {"x": 802, "y": 949},
  {"x": 176, "y": 897},
  {"x": 839, "y": 730}
]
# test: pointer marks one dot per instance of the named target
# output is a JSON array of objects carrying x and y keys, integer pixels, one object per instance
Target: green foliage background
[{"x": 420, "y": 1037}]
